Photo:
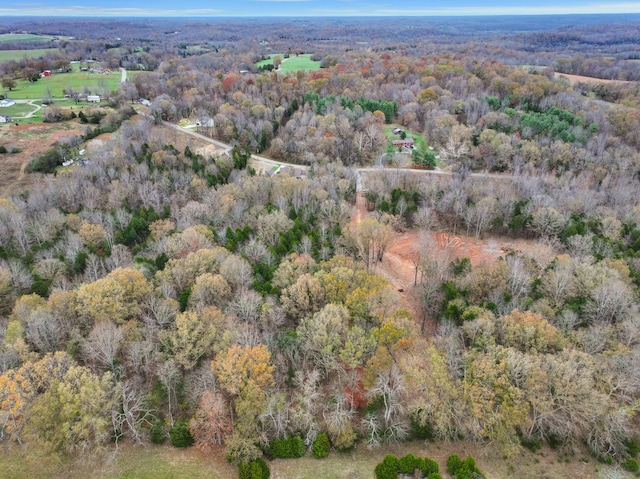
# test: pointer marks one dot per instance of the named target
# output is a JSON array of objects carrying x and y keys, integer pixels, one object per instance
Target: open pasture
[
  {"x": 24, "y": 37},
  {"x": 293, "y": 63},
  {"x": 10, "y": 55},
  {"x": 56, "y": 84}
]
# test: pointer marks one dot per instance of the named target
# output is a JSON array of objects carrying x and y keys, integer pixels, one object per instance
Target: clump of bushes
[
  {"x": 388, "y": 468},
  {"x": 463, "y": 468},
  {"x": 411, "y": 465},
  {"x": 180, "y": 434},
  {"x": 158, "y": 432},
  {"x": 420, "y": 430},
  {"x": 321, "y": 446},
  {"x": 256, "y": 469},
  {"x": 631, "y": 465},
  {"x": 286, "y": 448}
]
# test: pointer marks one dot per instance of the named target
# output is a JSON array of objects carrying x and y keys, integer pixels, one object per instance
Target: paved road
[{"x": 272, "y": 163}]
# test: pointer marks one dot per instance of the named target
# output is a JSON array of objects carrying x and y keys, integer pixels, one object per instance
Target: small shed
[
  {"x": 93, "y": 98},
  {"x": 5, "y": 119}
]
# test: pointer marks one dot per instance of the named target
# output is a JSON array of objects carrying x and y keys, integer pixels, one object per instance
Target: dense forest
[{"x": 163, "y": 294}]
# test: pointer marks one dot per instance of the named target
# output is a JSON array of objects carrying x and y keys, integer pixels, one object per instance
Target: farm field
[
  {"x": 293, "y": 63},
  {"x": 56, "y": 84},
  {"x": 9, "y": 55},
  {"x": 22, "y": 37}
]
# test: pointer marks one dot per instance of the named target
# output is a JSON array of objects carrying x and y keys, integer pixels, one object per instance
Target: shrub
[
  {"x": 463, "y": 468},
  {"x": 180, "y": 434},
  {"x": 420, "y": 431},
  {"x": 345, "y": 440},
  {"x": 408, "y": 464},
  {"x": 321, "y": 446},
  {"x": 158, "y": 432},
  {"x": 256, "y": 469},
  {"x": 428, "y": 467},
  {"x": 286, "y": 448},
  {"x": 47, "y": 162},
  {"x": 530, "y": 443},
  {"x": 631, "y": 465},
  {"x": 388, "y": 468},
  {"x": 632, "y": 447},
  {"x": 3, "y": 149}
]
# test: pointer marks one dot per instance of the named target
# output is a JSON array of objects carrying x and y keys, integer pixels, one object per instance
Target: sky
[{"x": 257, "y": 8}]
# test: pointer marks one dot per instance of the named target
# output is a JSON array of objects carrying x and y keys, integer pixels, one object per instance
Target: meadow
[
  {"x": 56, "y": 84},
  {"x": 293, "y": 63},
  {"x": 11, "y": 55},
  {"x": 24, "y": 37}
]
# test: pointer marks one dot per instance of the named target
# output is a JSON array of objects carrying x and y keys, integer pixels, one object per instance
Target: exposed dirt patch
[
  {"x": 400, "y": 258},
  {"x": 582, "y": 79},
  {"x": 31, "y": 140}
]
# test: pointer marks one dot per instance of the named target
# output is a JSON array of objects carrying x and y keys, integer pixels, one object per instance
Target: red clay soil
[
  {"x": 399, "y": 262},
  {"x": 31, "y": 140}
]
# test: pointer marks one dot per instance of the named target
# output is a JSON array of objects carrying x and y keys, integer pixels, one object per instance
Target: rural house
[
  {"x": 406, "y": 143},
  {"x": 5, "y": 119}
]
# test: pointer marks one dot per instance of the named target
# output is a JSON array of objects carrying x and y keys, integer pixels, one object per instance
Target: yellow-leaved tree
[
  {"x": 116, "y": 297},
  {"x": 245, "y": 373}
]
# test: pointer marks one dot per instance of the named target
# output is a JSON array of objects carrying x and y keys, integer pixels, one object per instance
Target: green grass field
[
  {"x": 388, "y": 130},
  {"x": 21, "y": 37},
  {"x": 19, "y": 109},
  {"x": 9, "y": 55},
  {"x": 56, "y": 84},
  {"x": 293, "y": 63}
]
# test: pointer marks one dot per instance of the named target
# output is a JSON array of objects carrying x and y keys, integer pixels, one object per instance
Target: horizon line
[{"x": 117, "y": 12}]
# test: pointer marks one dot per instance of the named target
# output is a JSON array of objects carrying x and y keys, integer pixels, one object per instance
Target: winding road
[{"x": 274, "y": 163}]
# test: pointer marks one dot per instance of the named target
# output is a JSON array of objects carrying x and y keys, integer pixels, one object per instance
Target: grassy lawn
[
  {"x": 8, "y": 55},
  {"x": 58, "y": 82},
  {"x": 293, "y": 63},
  {"x": 419, "y": 141},
  {"x": 19, "y": 109}
]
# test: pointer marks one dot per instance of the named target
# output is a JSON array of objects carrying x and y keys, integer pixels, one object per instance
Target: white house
[
  {"x": 205, "y": 121},
  {"x": 93, "y": 98},
  {"x": 5, "y": 119},
  {"x": 5, "y": 102}
]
